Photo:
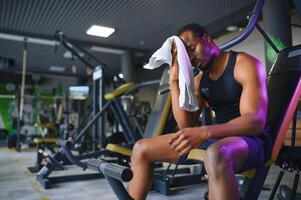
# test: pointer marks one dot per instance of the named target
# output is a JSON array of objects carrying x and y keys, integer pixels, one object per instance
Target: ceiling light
[
  {"x": 100, "y": 31},
  {"x": 57, "y": 68},
  {"x": 232, "y": 28}
]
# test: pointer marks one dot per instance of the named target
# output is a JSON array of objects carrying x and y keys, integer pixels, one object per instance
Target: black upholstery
[{"x": 282, "y": 82}]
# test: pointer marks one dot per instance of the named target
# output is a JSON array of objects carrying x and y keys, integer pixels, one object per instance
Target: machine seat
[{"x": 126, "y": 151}]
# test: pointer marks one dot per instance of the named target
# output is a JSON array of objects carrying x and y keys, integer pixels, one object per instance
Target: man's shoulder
[
  {"x": 246, "y": 66},
  {"x": 243, "y": 57},
  {"x": 245, "y": 61}
]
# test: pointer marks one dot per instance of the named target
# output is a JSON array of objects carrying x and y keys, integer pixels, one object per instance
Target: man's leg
[
  {"x": 145, "y": 152},
  {"x": 223, "y": 159}
]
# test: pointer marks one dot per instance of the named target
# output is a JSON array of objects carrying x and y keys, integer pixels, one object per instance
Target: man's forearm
[
  {"x": 246, "y": 125},
  {"x": 184, "y": 118}
]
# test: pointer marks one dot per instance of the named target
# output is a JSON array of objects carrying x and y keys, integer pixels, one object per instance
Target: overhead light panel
[{"x": 100, "y": 31}]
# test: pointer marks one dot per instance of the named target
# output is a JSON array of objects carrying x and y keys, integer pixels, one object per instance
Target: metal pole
[
  {"x": 294, "y": 190},
  {"x": 21, "y": 103},
  {"x": 101, "y": 128},
  {"x": 280, "y": 175},
  {"x": 18, "y": 123},
  {"x": 294, "y": 126},
  {"x": 118, "y": 189},
  {"x": 267, "y": 38},
  {"x": 83, "y": 131},
  {"x": 95, "y": 110},
  {"x": 23, "y": 78},
  {"x": 66, "y": 111}
]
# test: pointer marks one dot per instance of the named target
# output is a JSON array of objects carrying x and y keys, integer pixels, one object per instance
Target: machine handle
[{"x": 113, "y": 170}]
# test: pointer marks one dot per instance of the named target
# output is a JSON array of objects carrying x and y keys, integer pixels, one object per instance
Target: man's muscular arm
[{"x": 184, "y": 118}]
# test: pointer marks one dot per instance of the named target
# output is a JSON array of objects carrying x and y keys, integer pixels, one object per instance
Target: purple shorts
[{"x": 260, "y": 148}]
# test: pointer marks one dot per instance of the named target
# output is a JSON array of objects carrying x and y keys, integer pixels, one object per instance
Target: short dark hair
[{"x": 196, "y": 29}]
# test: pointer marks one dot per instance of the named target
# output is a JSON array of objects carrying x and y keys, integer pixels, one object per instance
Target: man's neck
[{"x": 218, "y": 64}]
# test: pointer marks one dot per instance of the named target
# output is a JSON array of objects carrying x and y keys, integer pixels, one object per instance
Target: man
[{"x": 238, "y": 141}]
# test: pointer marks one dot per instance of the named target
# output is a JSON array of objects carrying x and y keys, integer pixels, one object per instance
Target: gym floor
[{"x": 16, "y": 182}]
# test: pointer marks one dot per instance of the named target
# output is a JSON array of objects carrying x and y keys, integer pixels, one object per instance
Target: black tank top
[
  {"x": 223, "y": 97},
  {"x": 223, "y": 94}
]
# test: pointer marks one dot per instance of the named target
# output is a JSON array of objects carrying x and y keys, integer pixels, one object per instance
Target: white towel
[{"x": 187, "y": 98}]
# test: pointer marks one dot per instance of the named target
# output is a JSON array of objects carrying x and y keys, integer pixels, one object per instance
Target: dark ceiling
[{"x": 141, "y": 26}]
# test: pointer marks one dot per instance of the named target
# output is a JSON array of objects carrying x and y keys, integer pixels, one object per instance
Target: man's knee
[
  {"x": 217, "y": 159},
  {"x": 140, "y": 150}
]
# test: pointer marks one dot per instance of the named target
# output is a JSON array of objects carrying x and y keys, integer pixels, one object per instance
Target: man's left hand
[{"x": 187, "y": 138}]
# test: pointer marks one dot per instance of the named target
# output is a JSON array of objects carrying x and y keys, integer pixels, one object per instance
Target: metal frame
[
  {"x": 164, "y": 184},
  {"x": 113, "y": 173},
  {"x": 98, "y": 103},
  {"x": 54, "y": 162},
  {"x": 40, "y": 148}
]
